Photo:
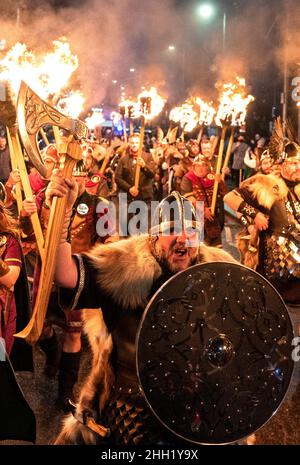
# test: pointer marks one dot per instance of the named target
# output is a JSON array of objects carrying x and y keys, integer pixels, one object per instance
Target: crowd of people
[{"x": 114, "y": 273}]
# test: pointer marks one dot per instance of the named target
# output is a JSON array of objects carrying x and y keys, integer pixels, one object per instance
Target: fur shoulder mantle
[
  {"x": 266, "y": 188},
  {"x": 127, "y": 269}
]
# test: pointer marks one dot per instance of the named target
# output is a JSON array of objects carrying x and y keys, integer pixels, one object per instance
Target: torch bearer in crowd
[
  {"x": 239, "y": 103},
  {"x": 231, "y": 112},
  {"x": 150, "y": 105}
]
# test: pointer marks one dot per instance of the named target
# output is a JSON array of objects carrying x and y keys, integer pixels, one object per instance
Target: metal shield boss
[{"x": 214, "y": 353}]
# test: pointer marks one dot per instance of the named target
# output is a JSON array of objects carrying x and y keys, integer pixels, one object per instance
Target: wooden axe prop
[{"x": 33, "y": 113}]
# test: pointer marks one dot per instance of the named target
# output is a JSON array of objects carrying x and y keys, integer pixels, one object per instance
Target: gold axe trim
[{"x": 33, "y": 113}]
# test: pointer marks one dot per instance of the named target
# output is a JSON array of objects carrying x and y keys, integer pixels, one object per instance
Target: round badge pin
[{"x": 82, "y": 209}]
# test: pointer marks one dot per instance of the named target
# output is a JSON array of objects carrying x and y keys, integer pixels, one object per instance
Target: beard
[{"x": 170, "y": 260}]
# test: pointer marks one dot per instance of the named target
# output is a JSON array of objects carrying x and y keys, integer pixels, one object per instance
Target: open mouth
[{"x": 181, "y": 252}]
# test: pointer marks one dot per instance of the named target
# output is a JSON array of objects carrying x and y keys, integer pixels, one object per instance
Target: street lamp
[{"x": 207, "y": 11}]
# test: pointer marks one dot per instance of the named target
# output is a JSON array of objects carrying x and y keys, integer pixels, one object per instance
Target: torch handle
[
  {"x": 218, "y": 171},
  {"x": 200, "y": 133},
  {"x": 124, "y": 130},
  {"x": 28, "y": 195},
  {"x": 228, "y": 152},
  {"x": 138, "y": 168},
  {"x": 14, "y": 166}
]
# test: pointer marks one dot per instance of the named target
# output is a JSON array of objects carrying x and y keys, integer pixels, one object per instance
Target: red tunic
[{"x": 12, "y": 257}]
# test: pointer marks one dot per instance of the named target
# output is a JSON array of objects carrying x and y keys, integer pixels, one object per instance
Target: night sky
[{"x": 110, "y": 36}]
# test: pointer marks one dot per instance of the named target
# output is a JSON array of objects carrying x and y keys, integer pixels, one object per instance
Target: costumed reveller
[
  {"x": 125, "y": 171},
  {"x": 199, "y": 183},
  {"x": 271, "y": 204},
  {"x": 17, "y": 419},
  {"x": 11, "y": 279},
  {"x": 125, "y": 177},
  {"x": 92, "y": 160},
  {"x": 184, "y": 164},
  {"x": 120, "y": 278},
  {"x": 83, "y": 235}
]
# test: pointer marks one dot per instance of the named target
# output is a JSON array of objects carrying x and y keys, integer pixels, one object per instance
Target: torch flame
[
  {"x": 151, "y": 103},
  {"x": 71, "y": 105},
  {"x": 186, "y": 116},
  {"x": 233, "y": 103},
  {"x": 115, "y": 117},
  {"x": 46, "y": 75},
  {"x": 206, "y": 112},
  {"x": 95, "y": 119},
  {"x": 129, "y": 108}
]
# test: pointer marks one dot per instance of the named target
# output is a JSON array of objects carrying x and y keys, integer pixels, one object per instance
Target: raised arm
[{"x": 66, "y": 274}]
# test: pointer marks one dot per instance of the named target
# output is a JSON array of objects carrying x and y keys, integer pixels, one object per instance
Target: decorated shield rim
[{"x": 177, "y": 435}]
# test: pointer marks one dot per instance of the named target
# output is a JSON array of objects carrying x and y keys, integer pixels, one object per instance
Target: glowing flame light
[
  {"x": 206, "y": 112},
  {"x": 71, "y": 105},
  {"x": 116, "y": 117},
  {"x": 46, "y": 74},
  {"x": 186, "y": 116},
  {"x": 151, "y": 103},
  {"x": 129, "y": 109},
  {"x": 233, "y": 103},
  {"x": 95, "y": 119}
]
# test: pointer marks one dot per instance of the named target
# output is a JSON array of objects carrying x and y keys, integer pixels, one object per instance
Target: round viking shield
[{"x": 214, "y": 353}]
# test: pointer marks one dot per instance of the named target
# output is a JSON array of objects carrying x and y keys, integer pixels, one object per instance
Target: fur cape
[
  {"x": 127, "y": 270},
  {"x": 267, "y": 189}
]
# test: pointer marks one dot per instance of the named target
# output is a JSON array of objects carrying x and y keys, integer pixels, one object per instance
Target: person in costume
[
  {"x": 199, "y": 182},
  {"x": 17, "y": 419},
  {"x": 120, "y": 278},
  {"x": 270, "y": 206}
]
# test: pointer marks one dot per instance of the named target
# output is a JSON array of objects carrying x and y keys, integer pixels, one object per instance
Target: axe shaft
[
  {"x": 45, "y": 138},
  {"x": 200, "y": 133}
]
